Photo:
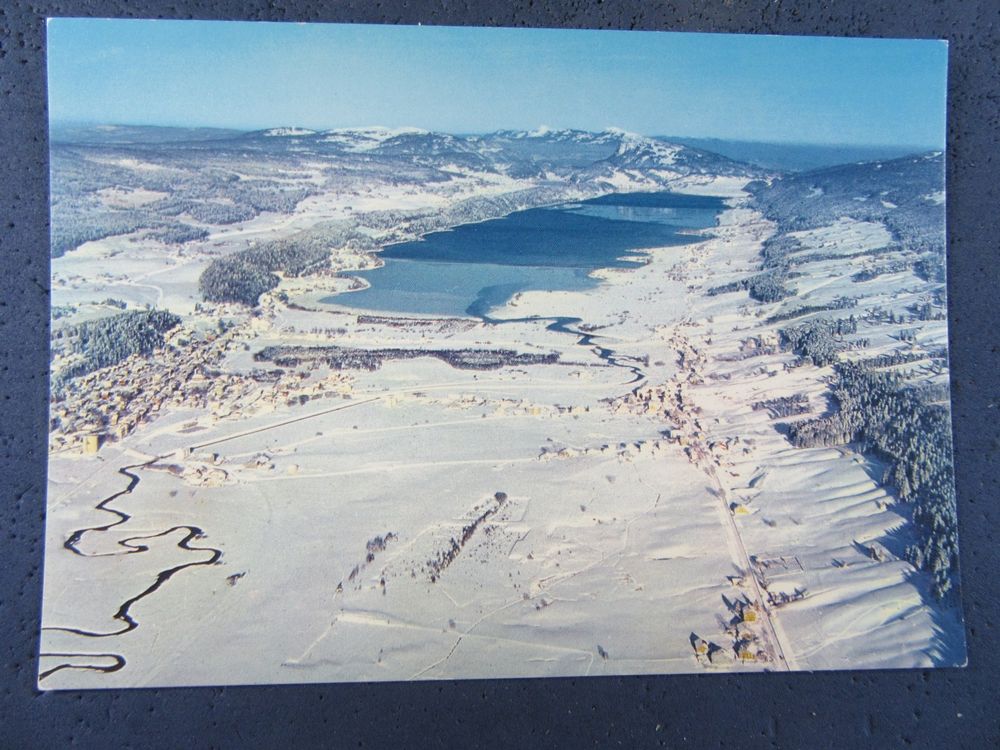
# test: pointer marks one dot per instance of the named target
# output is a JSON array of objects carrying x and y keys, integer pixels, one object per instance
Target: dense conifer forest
[
  {"x": 913, "y": 434},
  {"x": 108, "y": 341},
  {"x": 243, "y": 276}
]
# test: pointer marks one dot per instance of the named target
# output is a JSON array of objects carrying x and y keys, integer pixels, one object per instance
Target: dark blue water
[{"x": 471, "y": 268}]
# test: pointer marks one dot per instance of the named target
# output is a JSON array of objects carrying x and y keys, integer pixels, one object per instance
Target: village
[{"x": 109, "y": 404}]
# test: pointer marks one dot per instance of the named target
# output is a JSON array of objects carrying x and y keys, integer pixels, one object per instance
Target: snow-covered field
[{"x": 537, "y": 520}]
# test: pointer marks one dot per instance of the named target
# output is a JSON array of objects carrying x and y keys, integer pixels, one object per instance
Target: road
[{"x": 739, "y": 551}]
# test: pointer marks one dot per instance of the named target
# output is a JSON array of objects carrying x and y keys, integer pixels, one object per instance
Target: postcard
[{"x": 417, "y": 353}]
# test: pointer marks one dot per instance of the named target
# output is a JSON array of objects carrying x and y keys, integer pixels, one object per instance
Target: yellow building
[{"x": 91, "y": 444}]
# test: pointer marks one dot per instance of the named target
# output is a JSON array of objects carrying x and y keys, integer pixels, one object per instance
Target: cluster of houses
[
  {"x": 746, "y": 641},
  {"x": 671, "y": 403},
  {"x": 109, "y": 404},
  {"x": 745, "y": 615},
  {"x": 745, "y": 644}
]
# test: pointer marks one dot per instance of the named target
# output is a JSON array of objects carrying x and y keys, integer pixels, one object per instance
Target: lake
[{"x": 471, "y": 268}]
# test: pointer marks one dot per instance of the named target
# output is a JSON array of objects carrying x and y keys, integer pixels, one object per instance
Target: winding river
[{"x": 132, "y": 545}]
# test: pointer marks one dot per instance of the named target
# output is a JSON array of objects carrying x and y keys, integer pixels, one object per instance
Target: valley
[{"x": 654, "y": 463}]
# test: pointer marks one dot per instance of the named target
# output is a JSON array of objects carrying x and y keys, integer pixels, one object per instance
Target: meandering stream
[{"x": 131, "y": 545}]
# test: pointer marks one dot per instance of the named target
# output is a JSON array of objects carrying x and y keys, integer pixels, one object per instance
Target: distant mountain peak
[
  {"x": 639, "y": 150},
  {"x": 621, "y": 133},
  {"x": 286, "y": 131}
]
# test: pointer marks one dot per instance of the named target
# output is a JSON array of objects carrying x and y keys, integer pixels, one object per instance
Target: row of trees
[
  {"x": 838, "y": 303},
  {"x": 783, "y": 406},
  {"x": 347, "y": 357},
  {"x": 874, "y": 272},
  {"x": 894, "y": 358},
  {"x": 768, "y": 286}
]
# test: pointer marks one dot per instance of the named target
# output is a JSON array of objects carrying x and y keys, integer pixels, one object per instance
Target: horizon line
[{"x": 609, "y": 129}]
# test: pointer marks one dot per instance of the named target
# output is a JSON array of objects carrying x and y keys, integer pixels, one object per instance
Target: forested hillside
[{"x": 887, "y": 412}]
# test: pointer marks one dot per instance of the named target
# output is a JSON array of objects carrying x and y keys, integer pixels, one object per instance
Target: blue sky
[{"x": 465, "y": 80}]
